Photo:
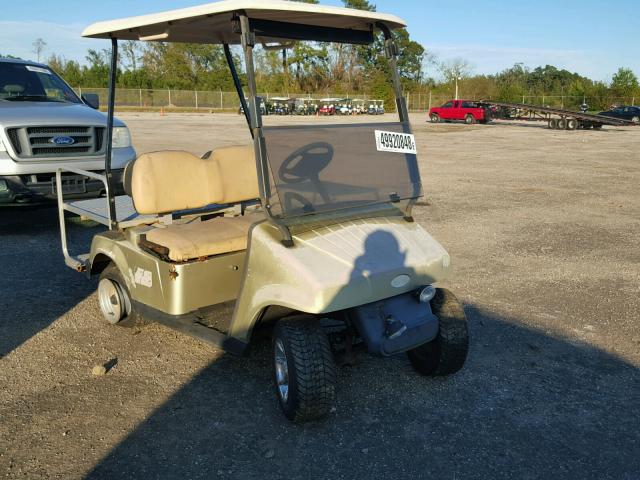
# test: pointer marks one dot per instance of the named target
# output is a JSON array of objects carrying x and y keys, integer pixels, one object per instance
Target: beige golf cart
[{"x": 307, "y": 231}]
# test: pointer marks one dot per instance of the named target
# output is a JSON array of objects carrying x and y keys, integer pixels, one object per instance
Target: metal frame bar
[
  {"x": 77, "y": 263},
  {"x": 113, "y": 71},
  {"x": 248, "y": 42},
  {"x": 237, "y": 85},
  {"x": 391, "y": 52}
]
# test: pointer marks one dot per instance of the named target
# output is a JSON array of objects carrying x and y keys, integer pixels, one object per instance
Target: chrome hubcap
[
  {"x": 110, "y": 300},
  {"x": 282, "y": 370}
]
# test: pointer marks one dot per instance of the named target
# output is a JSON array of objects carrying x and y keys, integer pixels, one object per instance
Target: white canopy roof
[{"x": 211, "y": 23}]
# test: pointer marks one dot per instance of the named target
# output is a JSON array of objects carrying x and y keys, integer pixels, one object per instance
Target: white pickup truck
[{"x": 44, "y": 125}]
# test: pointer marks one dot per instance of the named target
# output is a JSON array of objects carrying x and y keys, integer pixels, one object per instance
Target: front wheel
[
  {"x": 434, "y": 118},
  {"x": 446, "y": 353},
  {"x": 115, "y": 300},
  {"x": 305, "y": 373}
]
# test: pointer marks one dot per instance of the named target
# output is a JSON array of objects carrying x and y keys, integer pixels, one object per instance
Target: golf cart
[
  {"x": 281, "y": 105},
  {"x": 328, "y": 106},
  {"x": 306, "y": 233}
]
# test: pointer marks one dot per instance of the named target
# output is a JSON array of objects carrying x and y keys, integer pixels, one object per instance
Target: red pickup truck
[{"x": 466, "y": 110}]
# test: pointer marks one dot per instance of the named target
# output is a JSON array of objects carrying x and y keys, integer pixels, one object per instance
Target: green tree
[{"x": 624, "y": 83}]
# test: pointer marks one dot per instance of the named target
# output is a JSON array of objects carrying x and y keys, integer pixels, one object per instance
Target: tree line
[{"x": 332, "y": 68}]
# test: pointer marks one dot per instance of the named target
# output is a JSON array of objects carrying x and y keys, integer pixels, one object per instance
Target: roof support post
[
  {"x": 391, "y": 52},
  {"x": 113, "y": 71},
  {"x": 248, "y": 42}
]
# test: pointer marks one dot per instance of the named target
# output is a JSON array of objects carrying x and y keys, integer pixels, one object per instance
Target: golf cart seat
[{"x": 170, "y": 181}]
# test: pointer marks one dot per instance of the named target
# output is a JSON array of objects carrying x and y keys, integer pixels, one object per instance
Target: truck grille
[{"x": 37, "y": 142}]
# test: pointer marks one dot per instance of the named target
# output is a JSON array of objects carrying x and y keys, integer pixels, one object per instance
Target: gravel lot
[{"x": 543, "y": 230}]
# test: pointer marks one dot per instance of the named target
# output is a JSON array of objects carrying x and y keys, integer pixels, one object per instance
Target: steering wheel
[{"x": 306, "y": 163}]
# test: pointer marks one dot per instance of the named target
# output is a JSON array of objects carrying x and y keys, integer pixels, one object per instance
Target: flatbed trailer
[{"x": 556, "y": 118}]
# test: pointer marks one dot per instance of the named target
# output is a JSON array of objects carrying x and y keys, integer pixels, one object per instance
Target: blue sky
[{"x": 591, "y": 37}]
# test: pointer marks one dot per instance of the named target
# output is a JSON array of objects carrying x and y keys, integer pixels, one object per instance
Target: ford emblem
[{"x": 62, "y": 140}]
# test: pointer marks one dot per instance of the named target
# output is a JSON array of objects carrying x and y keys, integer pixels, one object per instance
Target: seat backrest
[{"x": 168, "y": 181}]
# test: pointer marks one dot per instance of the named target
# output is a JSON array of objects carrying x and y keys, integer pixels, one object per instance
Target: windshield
[
  {"x": 324, "y": 168},
  {"x": 31, "y": 83}
]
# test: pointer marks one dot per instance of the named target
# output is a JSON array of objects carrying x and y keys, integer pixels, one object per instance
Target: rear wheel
[
  {"x": 434, "y": 118},
  {"x": 469, "y": 119},
  {"x": 572, "y": 124},
  {"x": 305, "y": 373},
  {"x": 447, "y": 353},
  {"x": 553, "y": 123},
  {"x": 636, "y": 119},
  {"x": 562, "y": 123},
  {"x": 114, "y": 298}
]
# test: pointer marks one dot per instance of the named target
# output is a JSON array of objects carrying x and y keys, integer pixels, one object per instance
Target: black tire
[
  {"x": 469, "y": 120},
  {"x": 562, "y": 124},
  {"x": 553, "y": 123},
  {"x": 636, "y": 120},
  {"x": 435, "y": 118},
  {"x": 130, "y": 318},
  {"x": 311, "y": 370},
  {"x": 597, "y": 126},
  {"x": 446, "y": 354},
  {"x": 572, "y": 124}
]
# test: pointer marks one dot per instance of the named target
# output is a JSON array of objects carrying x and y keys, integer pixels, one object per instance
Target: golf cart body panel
[
  {"x": 173, "y": 288},
  {"x": 336, "y": 267}
]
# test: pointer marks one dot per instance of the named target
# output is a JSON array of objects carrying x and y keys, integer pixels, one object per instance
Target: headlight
[
  {"x": 427, "y": 293},
  {"x": 121, "y": 137}
]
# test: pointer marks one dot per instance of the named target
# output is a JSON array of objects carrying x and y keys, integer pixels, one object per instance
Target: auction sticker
[{"x": 395, "y": 142}]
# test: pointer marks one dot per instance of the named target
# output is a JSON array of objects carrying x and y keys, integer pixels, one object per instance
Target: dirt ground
[{"x": 542, "y": 227}]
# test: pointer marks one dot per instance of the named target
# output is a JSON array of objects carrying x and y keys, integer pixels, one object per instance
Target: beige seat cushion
[
  {"x": 202, "y": 239},
  {"x": 173, "y": 180}
]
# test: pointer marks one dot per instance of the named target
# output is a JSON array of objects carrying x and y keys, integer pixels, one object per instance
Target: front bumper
[{"x": 41, "y": 187}]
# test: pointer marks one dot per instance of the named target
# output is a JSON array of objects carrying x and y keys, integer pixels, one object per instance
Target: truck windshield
[
  {"x": 32, "y": 83},
  {"x": 325, "y": 168}
]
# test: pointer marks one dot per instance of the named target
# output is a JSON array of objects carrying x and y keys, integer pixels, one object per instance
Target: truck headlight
[
  {"x": 121, "y": 137},
  {"x": 427, "y": 294}
]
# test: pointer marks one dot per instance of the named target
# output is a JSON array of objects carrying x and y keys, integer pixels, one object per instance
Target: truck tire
[
  {"x": 572, "y": 124},
  {"x": 447, "y": 353},
  {"x": 435, "y": 118},
  {"x": 115, "y": 300},
  {"x": 469, "y": 119},
  {"x": 562, "y": 123},
  {"x": 304, "y": 370},
  {"x": 553, "y": 123}
]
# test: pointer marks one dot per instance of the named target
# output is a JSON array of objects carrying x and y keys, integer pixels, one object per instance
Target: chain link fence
[
  {"x": 417, "y": 102},
  {"x": 197, "y": 99}
]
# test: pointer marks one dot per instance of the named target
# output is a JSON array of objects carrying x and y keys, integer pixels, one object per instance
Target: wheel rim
[
  {"x": 282, "y": 370},
  {"x": 635, "y": 119},
  {"x": 110, "y": 299}
]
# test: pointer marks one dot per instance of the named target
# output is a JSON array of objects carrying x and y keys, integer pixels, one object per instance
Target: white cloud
[{"x": 65, "y": 40}]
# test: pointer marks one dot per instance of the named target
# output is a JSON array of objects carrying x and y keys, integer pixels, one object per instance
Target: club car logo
[{"x": 62, "y": 140}]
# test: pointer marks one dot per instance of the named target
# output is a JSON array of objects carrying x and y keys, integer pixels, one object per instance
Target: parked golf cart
[
  {"x": 281, "y": 105},
  {"x": 307, "y": 232},
  {"x": 328, "y": 106}
]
